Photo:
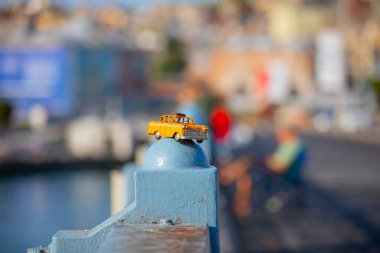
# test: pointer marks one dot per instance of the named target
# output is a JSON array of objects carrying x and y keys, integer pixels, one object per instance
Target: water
[{"x": 36, "y": 205}]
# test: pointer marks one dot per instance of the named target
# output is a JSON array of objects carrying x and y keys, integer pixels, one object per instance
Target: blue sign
[{"x": 30, "y": 76}]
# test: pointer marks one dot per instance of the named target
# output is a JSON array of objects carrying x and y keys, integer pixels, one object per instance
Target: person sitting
[
  {"x": 289, "y": 157},
  {"x": 283, "y": 166}
]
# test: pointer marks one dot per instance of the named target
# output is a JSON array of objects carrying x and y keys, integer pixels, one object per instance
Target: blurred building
[{"x": 68, "y": 80}]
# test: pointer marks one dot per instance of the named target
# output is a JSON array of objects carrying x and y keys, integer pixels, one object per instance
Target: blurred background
[{"x": 290, "y": 89}]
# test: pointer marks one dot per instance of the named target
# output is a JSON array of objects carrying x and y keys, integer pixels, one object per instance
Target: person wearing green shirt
[
  {"x": 285, "y": 163},
  {"x": 289, "y": 157}
]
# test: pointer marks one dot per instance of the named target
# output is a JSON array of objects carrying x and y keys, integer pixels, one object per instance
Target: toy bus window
[
  {"x": 177, "y": 119},
  {"x": 185, "y": 120},
  {"x": 162, "y": 118},
  {"x": 166, "y": 118}
]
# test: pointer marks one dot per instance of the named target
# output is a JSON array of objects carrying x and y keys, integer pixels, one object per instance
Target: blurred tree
[
  {"x": 172, "y": 62},
  {"x": 5, "y": 114},
  {"x": 375, "y": 84}
]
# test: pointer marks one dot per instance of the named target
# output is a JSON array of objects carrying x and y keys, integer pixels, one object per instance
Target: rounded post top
[{"x": 170, "y": 154}]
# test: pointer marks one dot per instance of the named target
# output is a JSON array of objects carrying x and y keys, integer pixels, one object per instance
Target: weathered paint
[
  {"x": 144, "y": 238},
  {"x": 174, "y": 182}
]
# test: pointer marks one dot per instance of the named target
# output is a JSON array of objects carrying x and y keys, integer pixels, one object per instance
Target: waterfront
[
  {"x": 340, "y": 212},
  {"x": 35, "y": 205}
]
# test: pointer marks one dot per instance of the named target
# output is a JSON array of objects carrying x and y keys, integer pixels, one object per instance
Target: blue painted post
[{"x": 175, "y": 182}]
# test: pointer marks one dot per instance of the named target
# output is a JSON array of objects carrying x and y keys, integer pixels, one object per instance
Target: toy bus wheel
[
  {"x": 157, "y": 135},
  {"x": 199, "y": 141},
  {"x": 176, "y": 137}
]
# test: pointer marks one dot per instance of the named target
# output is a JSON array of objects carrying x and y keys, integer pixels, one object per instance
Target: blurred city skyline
[
  {"x": 105, "y": 65},
  {"x": 129, "y": 4}
]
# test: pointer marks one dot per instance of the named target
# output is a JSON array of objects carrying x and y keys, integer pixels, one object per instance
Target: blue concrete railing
[{"x": 175, "y": 200}]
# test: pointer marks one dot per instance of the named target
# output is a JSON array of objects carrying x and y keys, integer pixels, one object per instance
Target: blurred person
[
  {"x": 221, "y": 125},
  {"x": 5, "y": 114},
  {"x": 285, "y": 165},
  {"x": 237, "y": 172},
  {"x": 188, "y": 101},
  {"x": 262, "y": 81},
  {"x": 86, "y": 137},
  {"x": 242, "y": 134},
  {"x": 288, "y": 158},
  {"x": 38, "y": 117},
  {"x": 121, "y": 136},
  {"x": 282, "y": 169}
]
